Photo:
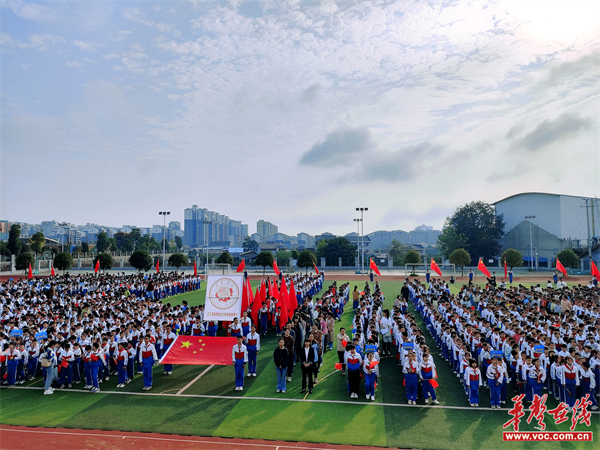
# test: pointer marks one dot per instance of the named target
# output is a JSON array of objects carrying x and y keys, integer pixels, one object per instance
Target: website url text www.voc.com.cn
[{"x": 547, "y": 436}]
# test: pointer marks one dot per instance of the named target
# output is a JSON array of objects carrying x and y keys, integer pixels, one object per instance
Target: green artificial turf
[{"x": 363, "y": 423}]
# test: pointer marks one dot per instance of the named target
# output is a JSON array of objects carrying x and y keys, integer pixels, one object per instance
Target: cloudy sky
[{"x": 294, "y": 112}]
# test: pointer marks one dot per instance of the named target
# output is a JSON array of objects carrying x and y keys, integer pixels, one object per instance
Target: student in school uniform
[
  {"x": 98, "y": 363},
  {"x": 536, "y": 378},
  {"x": 371, "y": 370},
  {"x": 353, "y": 361},
  {"x": 167, "y": 338},
  {"x": 131, "y": 353},
  {"x": 239, "y": 356},
  {"x": 528, "y": 386},
  {"x": 65, "y": 360},
  {"x": 12, "y": 357},
  {"x": 495, "y": 376},
  {"x": 87, "y": 366},
  {"x": 77, "y": 353},
  {"x": 474, "y": 381},
  {"x": 246, "y": 322},
  {"x": 428, "y": 373},
  {"x": 411, "y": 377},
  {"x": 122, "y": 359},
  {"x": 569, "y": 381},
  {"x": 235, "y": 328},
  {"x": 32, "y": 362},
  {"x": 264, "y": 319},
  {"x": 253, "y": 346},
  {"x": 213, "y": 326},
  {"x": 588, "y": 384},
  {"x": 147, "y": 358}
]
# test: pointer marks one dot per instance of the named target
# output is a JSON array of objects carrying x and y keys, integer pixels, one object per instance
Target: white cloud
[
  {"x": 42, "y": 42},
  {"x": 34, "y": 11},
  {"x": 88, "y": 46}
]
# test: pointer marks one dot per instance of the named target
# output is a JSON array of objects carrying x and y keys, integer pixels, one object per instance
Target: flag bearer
[
  {"x": 167, "y": 339},
  {"x": 253, "y": 345},
  {"x": 147, "y": 359},
  {"x": 239, "y": 355}
]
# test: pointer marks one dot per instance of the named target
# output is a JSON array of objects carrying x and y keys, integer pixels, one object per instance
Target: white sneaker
[
  {"x": 249, "y": 375},
  {"x": 368, "y": 396},
  {"x": 48, "y": 392},
  {"x": 241, "y": 388},
  {"x": 253, "y": 374},
  {"x": 435, "y": 402},
  {"x": 236, "y": 388},
  {"x": 372, "y": 398},
  {"x": 427, "y": 401}
]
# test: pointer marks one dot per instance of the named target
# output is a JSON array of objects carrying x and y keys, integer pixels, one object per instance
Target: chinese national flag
[
  {"x": 52, "y": 272},
  {"x": 505, "y": 269},
  {"x": 200, "y": 350},
  {"x": 292, "y": 297},
  {"x": 373, "y": 267},
  {"x": 561, "y": 268},
  {"x": 435, "y": 267},
  {"x": 195, "y": 269},
  {"x": 158, "y": 266},
  {"x": 30, "y": 272},
  {"x": 481, "y": 267},
  {"x": 316, "y": 270},
  {"x": 276, "y": 268},
  {"x": 97, "y": 266},
  {"x": 242, "y": 266},
  {"x": 595, "y": 271},
  {"x": 283, "y": 319}
]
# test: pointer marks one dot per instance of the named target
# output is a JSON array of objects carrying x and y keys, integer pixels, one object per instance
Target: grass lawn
[{"x": 361, "y": 423}]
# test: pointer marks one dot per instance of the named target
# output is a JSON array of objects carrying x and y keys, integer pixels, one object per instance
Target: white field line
[{"x": 194, "y": 380}]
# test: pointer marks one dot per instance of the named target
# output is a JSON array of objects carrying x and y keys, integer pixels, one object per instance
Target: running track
[{"x": 27, "y": 438}]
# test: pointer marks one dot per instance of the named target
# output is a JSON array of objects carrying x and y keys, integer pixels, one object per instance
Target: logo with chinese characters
[{"x": 224, "y": 293}]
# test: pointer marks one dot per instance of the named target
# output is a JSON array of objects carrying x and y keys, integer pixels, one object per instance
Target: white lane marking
[{"x": 194, "y": 380}]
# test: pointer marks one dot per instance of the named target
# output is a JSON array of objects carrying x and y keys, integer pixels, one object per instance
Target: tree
[
  {"x": 63, "y": 261},
  {"x": 461, "y": 258},
  {"x": 4, "y": 251},
  {"x": 178, "y": 260},
  {"x": 135, "y": 236},
  {"x": 264, "y": 259},
  {"x": 450, "y": 240},
  {"x": 568, "y": 258},
  {"x": 178, "y": 242},
  {"x": 333, "y": 249},
  {"x": 141, "y": 260},
  {"x": 85, "y": 247},
  {"x": 283, "y": 258},
  {"x": 14, "y": 244},
  {"x": 412, "y": 257},
  {"x": 306, "y": 259},
  {"x": 295, "y": 254},
  {"x": 23, "y": 260},
  {"x": 37, "y": 242},
  {"x": 250, "y": 245},
  {"x": 513, "y": 258},
  {"x": 479, "y": 224},
  {"x": 127, "y": 245},
  {"x": 102, "y": 243},
  {"x": 106, "y": 261},
  {"x": 112, "y": 245},
  {"x": 397, "y": 251},
  {"x": 225, "y": 258}
]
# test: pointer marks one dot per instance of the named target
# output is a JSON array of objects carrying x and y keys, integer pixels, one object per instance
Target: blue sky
[{"x": 294, "y": 112}]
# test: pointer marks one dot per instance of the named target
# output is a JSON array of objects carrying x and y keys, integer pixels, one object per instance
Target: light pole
[
  {"x": 358, "y": 221},
  {"x": 530, "y": 240},
  {"x": 164, "y": 214},
  {"x": 362, "y": 239},
  {"x": 206, "y": 222}
]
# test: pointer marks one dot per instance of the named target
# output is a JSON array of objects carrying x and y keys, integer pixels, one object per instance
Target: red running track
[{"x": 29, "y": 438}]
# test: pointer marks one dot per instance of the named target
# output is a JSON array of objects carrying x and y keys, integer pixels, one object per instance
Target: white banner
[{"x": 223, "y": 297}]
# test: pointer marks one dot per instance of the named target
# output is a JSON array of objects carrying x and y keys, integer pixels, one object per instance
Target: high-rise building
[
  {"x": 266, "y": 229},
  {"x": 203, "y": 227}
]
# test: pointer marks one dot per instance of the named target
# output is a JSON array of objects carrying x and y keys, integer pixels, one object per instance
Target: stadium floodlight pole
[
  {"x": 530, "y": 241},
  {"x": 362, "y": 239},
  {"x": 358, "y": 221},
  {"x": 164, "y": 214}
]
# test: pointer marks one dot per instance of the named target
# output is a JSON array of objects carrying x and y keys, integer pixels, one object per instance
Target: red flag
[
  {"x": 292, "y": 297},
  {"x": 435, "y": 267},
  {"x": 245, "y": 296},
  {"x": 284, "y": 292},
  {"x": 561, "y": 268},
  {"x": 257, "y": 303},
  {"x": 158, "y": 266},
  {"x": 338, "y": 366},
  {"x": 434, "y": 383},
  {"x": 52, "y": 272},
  {"x": 97, "y": 266},
  {"x": 505, "y": 270},
  {"x": 481, "y": 267},
  {"x": 200, "y": 350},
  {"x": 195, "y": 269},
  {"x": 595, "y": 271},
  {"x": 242, "y": 266},
  {"x": 373, "y": 267},
  {"x": 30, "y": 272},
  {"x": 275, "y": 268},
  {"x": 316, "y": 270}
]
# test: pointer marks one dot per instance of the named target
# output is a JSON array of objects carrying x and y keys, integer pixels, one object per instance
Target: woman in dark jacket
[{"x": 281, "y": 357}]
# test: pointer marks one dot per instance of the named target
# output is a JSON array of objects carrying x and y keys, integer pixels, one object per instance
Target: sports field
[{"x": 208, "y": 406}]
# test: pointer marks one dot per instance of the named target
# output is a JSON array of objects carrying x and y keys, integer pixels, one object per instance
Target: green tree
[
  {"x": 37, "y": 242},
  {"x": 225, "y": 258},
  {"x": 568, "y": 258},
  {"x": 102, "y": 243},
  {"x": 135, "y": 236},
  {"x": 127, "y": 245},
  {"x": 412, "y": 257},
  {"x": 119, "y": 238},
  {"x": 513, "y": 258},
  {"x": 14, "y": 243},
  {"x": 283, "y": 258},
  {"x": 112, "y": 245},
  {"x": 295, "y": 254},
  {"x": 106, "y": 261},
  {"x": 24, "y": 259},
  {"x": 85, "y": 247},
  {"x": 450, "y": 240},
  {"x": 333, "y": 249},
  {"x": 461, "y": 258},
  {"x": 321, "y": 249},
  {"x": 178, "y": 242},
  {"x": 140, "y": 260},
  {"x": 397, "y": 251},
  {"x": 264, "y": 259},
  {"x": 250, "y": 245},
  {"x": 479, "y": 224},
  {"x": 179, "y": 260},
  {"x": 306, "y": 259},
  {"x": 4, "y": 251},
  {"x": 63, "y": 261}
]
